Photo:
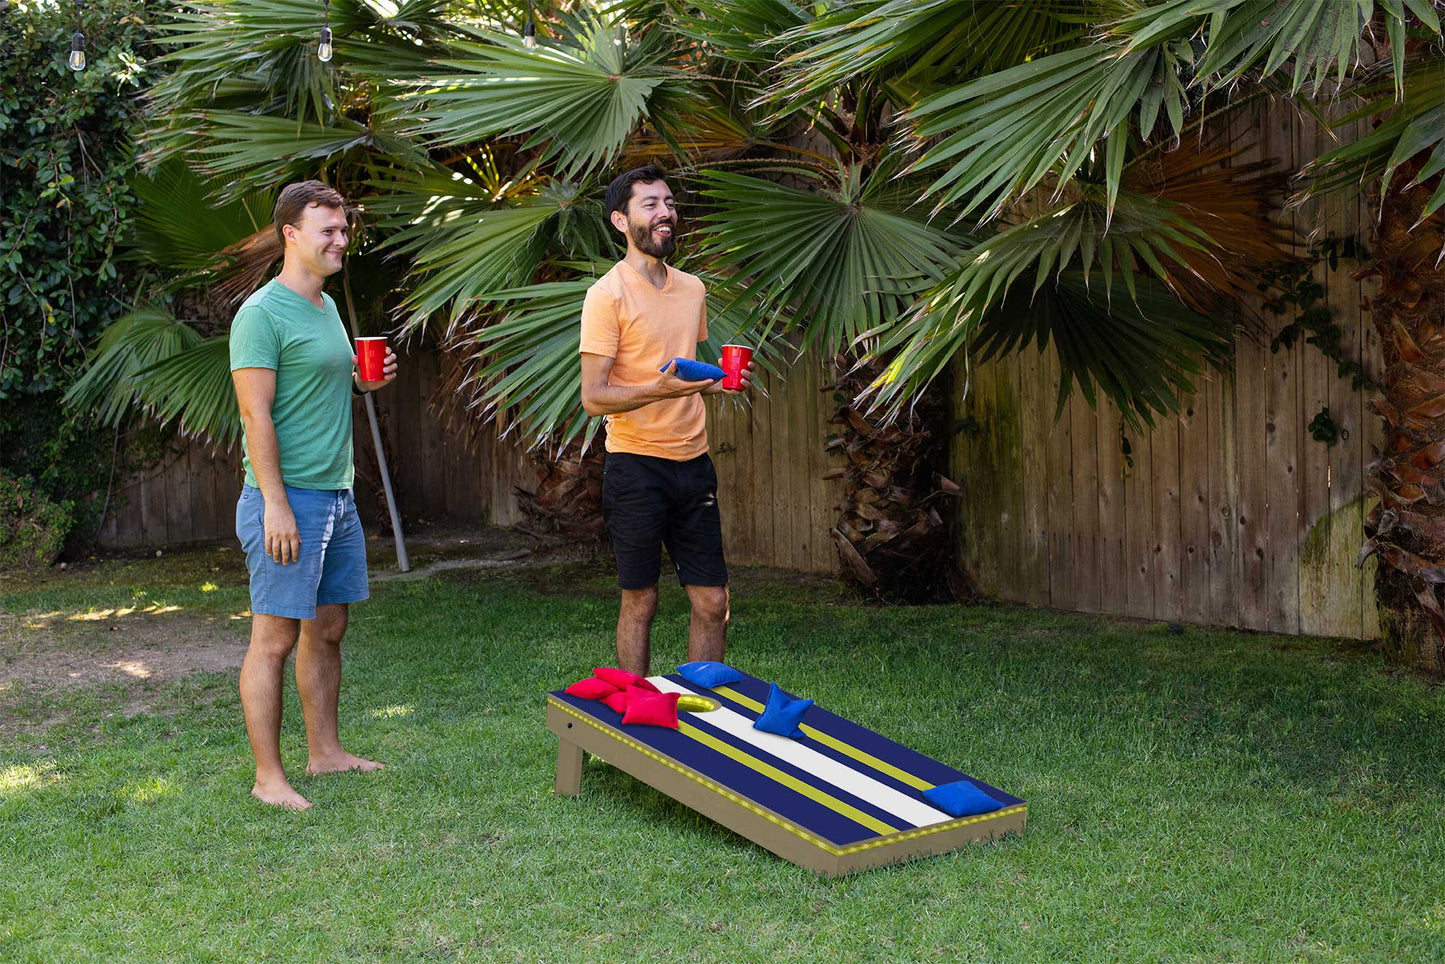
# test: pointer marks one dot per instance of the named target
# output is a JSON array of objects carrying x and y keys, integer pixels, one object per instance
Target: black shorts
[{"x": 650, "y": 502}]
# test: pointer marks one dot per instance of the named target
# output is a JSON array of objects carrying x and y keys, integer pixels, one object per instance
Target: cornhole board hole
[{"x": 838, "y": 800}]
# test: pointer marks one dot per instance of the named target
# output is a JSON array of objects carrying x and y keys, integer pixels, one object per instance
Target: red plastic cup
[
  {"x": 734, "y": 359},
  {"x": 371, "y": 358}
]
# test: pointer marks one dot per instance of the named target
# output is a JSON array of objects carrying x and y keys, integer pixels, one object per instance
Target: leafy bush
[
  {"x": 65, "y": 210},
  {"x": 32, "y": 528}
]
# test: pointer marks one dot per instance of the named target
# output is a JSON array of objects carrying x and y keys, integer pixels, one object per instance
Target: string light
[
  {"x": 529, "y": 31},
  {"x": 76, "y": 61},
  {"x": 323, "y": 49}
]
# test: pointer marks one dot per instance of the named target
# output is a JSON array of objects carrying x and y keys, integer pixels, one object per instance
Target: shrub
[
  {"x": 65, "y": 211},
  {"x": 32, "y": 528}
]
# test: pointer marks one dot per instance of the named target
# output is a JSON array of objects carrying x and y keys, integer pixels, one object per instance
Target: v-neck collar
[{"x": 667, "y": 286}]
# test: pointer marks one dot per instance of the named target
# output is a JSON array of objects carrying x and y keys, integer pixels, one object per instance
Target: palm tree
[{"x": 897, "y": 182}]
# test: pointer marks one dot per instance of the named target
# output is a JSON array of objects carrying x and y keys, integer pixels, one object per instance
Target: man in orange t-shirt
[{"x": 658, "y": 484}]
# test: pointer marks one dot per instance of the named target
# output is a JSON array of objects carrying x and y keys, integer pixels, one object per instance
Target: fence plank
[
  {"x": 820, "y": 490},
  {"x": 1164, "y": 465},
  {"x": 1194, "y": 450},
  {"x": 1034, "y": 571},
  {"x": 1085, "y": 562},
  {"x": 1008, "y": 468},
  {"x": 1059, "y": 487},
  {"x": 1113, "y": 517},
  {"x": 1223, "y": 544},
  {"x": 1139, "y": 525},
  {"x": 1344, "y": 607}
]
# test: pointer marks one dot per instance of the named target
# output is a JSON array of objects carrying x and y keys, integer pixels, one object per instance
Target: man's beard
[{"x": 642, "y": 240}]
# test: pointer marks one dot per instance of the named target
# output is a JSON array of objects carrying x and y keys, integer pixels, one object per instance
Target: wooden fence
[
  {"x": 777, "y": 508},
  {"x": 1230, "y": 514}
]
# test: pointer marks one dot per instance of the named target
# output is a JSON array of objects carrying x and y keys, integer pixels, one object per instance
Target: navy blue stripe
[
  {"x": 789, "y": 804},
  {"x": 823, "y": 748},
  {"x": 699, "y": 720},
  {"x": 921, "y": 766}
]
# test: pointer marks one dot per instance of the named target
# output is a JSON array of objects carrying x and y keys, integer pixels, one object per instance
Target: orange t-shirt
[{"x": 643, "y": 328}]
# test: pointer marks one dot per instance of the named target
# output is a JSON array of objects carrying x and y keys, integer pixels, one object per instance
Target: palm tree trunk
[{"x": 1406, "y": 531}]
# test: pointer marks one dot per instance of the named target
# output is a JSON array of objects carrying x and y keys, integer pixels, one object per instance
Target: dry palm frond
[
  {"x": 248, "y": 264},
  {"x": 1235, "y": 205}
]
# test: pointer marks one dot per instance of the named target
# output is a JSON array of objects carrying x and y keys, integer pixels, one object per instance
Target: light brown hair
[{"x": 295, "y": 198}]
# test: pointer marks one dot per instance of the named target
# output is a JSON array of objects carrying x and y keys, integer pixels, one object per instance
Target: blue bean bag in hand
[
  {"x": 709, "y": 674},
  {"x": 782, "y": 715},
  {"x": 695, "y": 371},
  {"x": 961, "y": 799}
]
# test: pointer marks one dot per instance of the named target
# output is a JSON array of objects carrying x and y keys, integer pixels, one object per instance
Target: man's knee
[
  {"x": 640, "y": 603},
  {"x": 710, "y": 603},
  {"x": 329, "y": 625},
  {"x": 273, "y": 637}
]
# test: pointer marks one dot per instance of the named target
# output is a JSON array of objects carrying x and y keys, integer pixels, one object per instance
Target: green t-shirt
[{"x": 311, "y": 354}]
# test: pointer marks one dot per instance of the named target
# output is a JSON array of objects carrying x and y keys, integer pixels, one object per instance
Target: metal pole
[{"x": 402, "y": 562}]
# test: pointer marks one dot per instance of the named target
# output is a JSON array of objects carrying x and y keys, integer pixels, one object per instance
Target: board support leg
[{"x": 569, "y": 768}]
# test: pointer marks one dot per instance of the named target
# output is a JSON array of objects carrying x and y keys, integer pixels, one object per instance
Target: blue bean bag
[
  {"x": 961, "y": 799},
  {"x": 709, "y": 673},
  {"x": 695, "y": 371},
  {"x": 782, "y": 715}
]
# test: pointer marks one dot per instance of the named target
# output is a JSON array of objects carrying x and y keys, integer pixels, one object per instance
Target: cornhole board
[{"x": 838, "y": 800}]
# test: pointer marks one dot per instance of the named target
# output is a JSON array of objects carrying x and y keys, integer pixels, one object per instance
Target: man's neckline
[
  {"x": 666, "y": 285},
  {"x": 292, "y": 291}
]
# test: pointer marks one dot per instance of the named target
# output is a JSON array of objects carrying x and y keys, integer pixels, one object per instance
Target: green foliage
[
  {"x": 1293, "y": 290},
  {"x": 32, "y": 528},
  {"x": 64, "y": 202},
  {"x": 1323, "y": 428},
  {"x": 65, "y": 207}
]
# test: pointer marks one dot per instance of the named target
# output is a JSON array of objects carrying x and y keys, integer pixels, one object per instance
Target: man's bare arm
[
  {"x": 255, "y": 394},
  {"x": 601, "y": 398}
]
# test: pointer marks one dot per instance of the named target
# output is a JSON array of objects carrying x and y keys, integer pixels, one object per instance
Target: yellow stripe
[
  {"x": 791, "y": 782},
  {"x": 768, "y": 815},
  {"x": 868, "y": 759}
]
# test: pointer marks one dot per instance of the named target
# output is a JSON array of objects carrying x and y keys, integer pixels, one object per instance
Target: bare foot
[
  {"x": 280, "y": 795},
  {"x": 340, "y": 763}
]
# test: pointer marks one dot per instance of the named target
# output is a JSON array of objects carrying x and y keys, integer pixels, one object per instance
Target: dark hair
[
  {"x": 296, "y": 198},
  {"x": 619, "y": 192}
]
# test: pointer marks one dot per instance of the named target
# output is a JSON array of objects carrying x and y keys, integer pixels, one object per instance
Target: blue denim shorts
[{"x": 332, "y": 568}]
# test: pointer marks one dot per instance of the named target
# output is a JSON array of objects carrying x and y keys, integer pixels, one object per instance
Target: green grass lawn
[{"x": 1194, "y": 796}]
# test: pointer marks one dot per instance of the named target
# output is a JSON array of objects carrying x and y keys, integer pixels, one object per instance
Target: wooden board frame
[{"x": 578, "y": 732}]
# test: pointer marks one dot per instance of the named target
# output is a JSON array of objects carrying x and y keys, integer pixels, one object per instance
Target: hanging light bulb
[
  {"x": 76, "y": 60},
  {"x": 77, "y": 51},
  {"x": 529, "y": 35},
  {"x": 323, "y": 49}
]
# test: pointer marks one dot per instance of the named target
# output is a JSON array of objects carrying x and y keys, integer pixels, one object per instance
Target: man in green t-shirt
[{"x": 292, "y": 366}]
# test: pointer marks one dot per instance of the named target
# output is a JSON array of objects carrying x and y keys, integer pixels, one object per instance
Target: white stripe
[{"x": 810, "y": 761}]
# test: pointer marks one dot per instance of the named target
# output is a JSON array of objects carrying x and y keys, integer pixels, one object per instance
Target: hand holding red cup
[
  {"x": 375, "y": 363},
  {"x": 735, "y": 359}
]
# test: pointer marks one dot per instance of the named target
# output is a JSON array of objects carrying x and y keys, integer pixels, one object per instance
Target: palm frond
[
  {"x": 1413, "y": 127},
  {"x": 466, "y": 243},
  {"x": 255, "y": 151},
  {"x": 914, "y": 44},
  {"x": 179, "y": 228},
  {"x": 741, "y": 31},
  {"x": 835, "y": 260},
  {"x": 1260, "y": 37},
  {"x": 1003, "y": 134},
  {"x": 128, "y": 345},
  {"x": 579, "y": 101},
  {"x": 1236, "y": 204},
  {"x": 193, "y": 387},
  {"x": 1145, "y": 245}
]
